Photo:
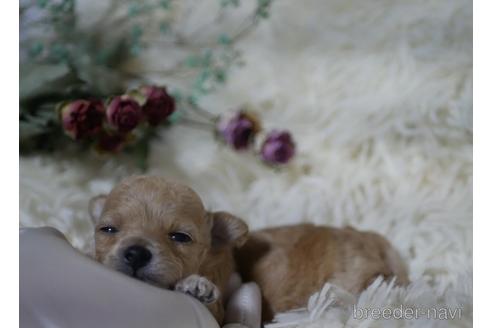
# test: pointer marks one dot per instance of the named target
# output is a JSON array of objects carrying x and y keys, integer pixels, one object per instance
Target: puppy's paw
[{"x": 199, "y": 287}]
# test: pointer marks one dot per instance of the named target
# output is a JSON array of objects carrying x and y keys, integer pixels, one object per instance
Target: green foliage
[
  {"x": 61, "y": 61},
  {"x": 232, "y": 3},
  {"x": 263, "y": 9}
]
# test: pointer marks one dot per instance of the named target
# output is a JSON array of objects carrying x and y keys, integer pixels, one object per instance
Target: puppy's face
[{"x": 158, "y": 231}]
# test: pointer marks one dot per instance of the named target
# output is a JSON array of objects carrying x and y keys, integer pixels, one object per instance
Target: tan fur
[
  {"x": 291, "y": 263},
  {"x": 146, "y": 210}
]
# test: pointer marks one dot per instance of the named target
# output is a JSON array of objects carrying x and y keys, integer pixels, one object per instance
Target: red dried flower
[
  {"x": 82, "y": 118},
  {"x": 158, "y": 106},
  {"x": 124, "y": 113}
]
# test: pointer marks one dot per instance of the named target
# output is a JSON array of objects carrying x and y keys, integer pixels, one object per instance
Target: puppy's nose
[{"x": 137, "y": 256}]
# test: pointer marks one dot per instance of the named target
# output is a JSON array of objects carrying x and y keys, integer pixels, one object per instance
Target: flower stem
[
  {"x": 204, "y": 113},
  {"x": 196, "y": 124}
]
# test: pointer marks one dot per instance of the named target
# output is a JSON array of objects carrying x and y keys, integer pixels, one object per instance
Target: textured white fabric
[{"x": 379, "y": 97}]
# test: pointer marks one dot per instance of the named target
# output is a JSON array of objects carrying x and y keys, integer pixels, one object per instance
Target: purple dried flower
[
  {"x": 239, "y": 131},
  {"x": 278, "y": 147}
]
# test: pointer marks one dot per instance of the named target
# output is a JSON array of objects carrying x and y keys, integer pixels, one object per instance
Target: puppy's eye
[
  {"x": 180, "y": 237},
  {"x": 108, "y": 229}
]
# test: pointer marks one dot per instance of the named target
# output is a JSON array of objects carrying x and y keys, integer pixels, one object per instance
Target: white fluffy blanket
[{"x": 379, "y": 97}]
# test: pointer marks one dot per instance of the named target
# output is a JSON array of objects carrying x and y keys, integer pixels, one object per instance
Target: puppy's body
[
  {"x": 291, "y": 263},
  {"x": 159, "y": 232}
]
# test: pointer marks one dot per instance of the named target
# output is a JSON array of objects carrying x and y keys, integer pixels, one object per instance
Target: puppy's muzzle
[{"x": 136, "y": 257}]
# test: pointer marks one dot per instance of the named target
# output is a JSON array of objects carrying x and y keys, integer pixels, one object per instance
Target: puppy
[
  {"x": 159, "y": 232},
  {"x": 291, "y": 263}
]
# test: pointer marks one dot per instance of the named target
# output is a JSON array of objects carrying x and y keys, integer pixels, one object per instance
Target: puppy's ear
[
  {"x": 227, "y": 229},
  {"x": 96, "y": 206}
]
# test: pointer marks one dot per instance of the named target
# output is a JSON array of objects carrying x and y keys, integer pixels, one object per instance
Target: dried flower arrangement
[{"x": 74, "y": 79}]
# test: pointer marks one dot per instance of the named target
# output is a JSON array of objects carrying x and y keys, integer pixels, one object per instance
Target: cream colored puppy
[
  {"x": 291, "y": 263},
  {"x": 159, "y": 232}
]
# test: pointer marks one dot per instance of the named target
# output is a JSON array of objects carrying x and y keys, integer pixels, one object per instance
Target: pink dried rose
[
  {"x": 278, "y": 147},
  {"x": 82, "y": 118},
  {"x": 158, "y": 106},
  {"x": 239, "y": 130},
  {"x": 124, "y": 113}
]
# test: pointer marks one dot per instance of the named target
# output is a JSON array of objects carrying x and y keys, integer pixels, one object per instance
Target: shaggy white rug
[{"x": 379, "y": 97}]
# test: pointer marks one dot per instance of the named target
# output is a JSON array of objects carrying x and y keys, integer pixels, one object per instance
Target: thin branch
[
  {"x": 179, "y": 71},
  {"x": 204, "y": 113},
  {"x": 248, "y": 25},
  {"x": 203, "y": 27},
  {"x": 246, "y": 29},
  {"x": 196, "y": 124}
]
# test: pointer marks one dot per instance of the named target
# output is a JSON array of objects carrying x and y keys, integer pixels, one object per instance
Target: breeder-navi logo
[{"x": 407, "y": 313}]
